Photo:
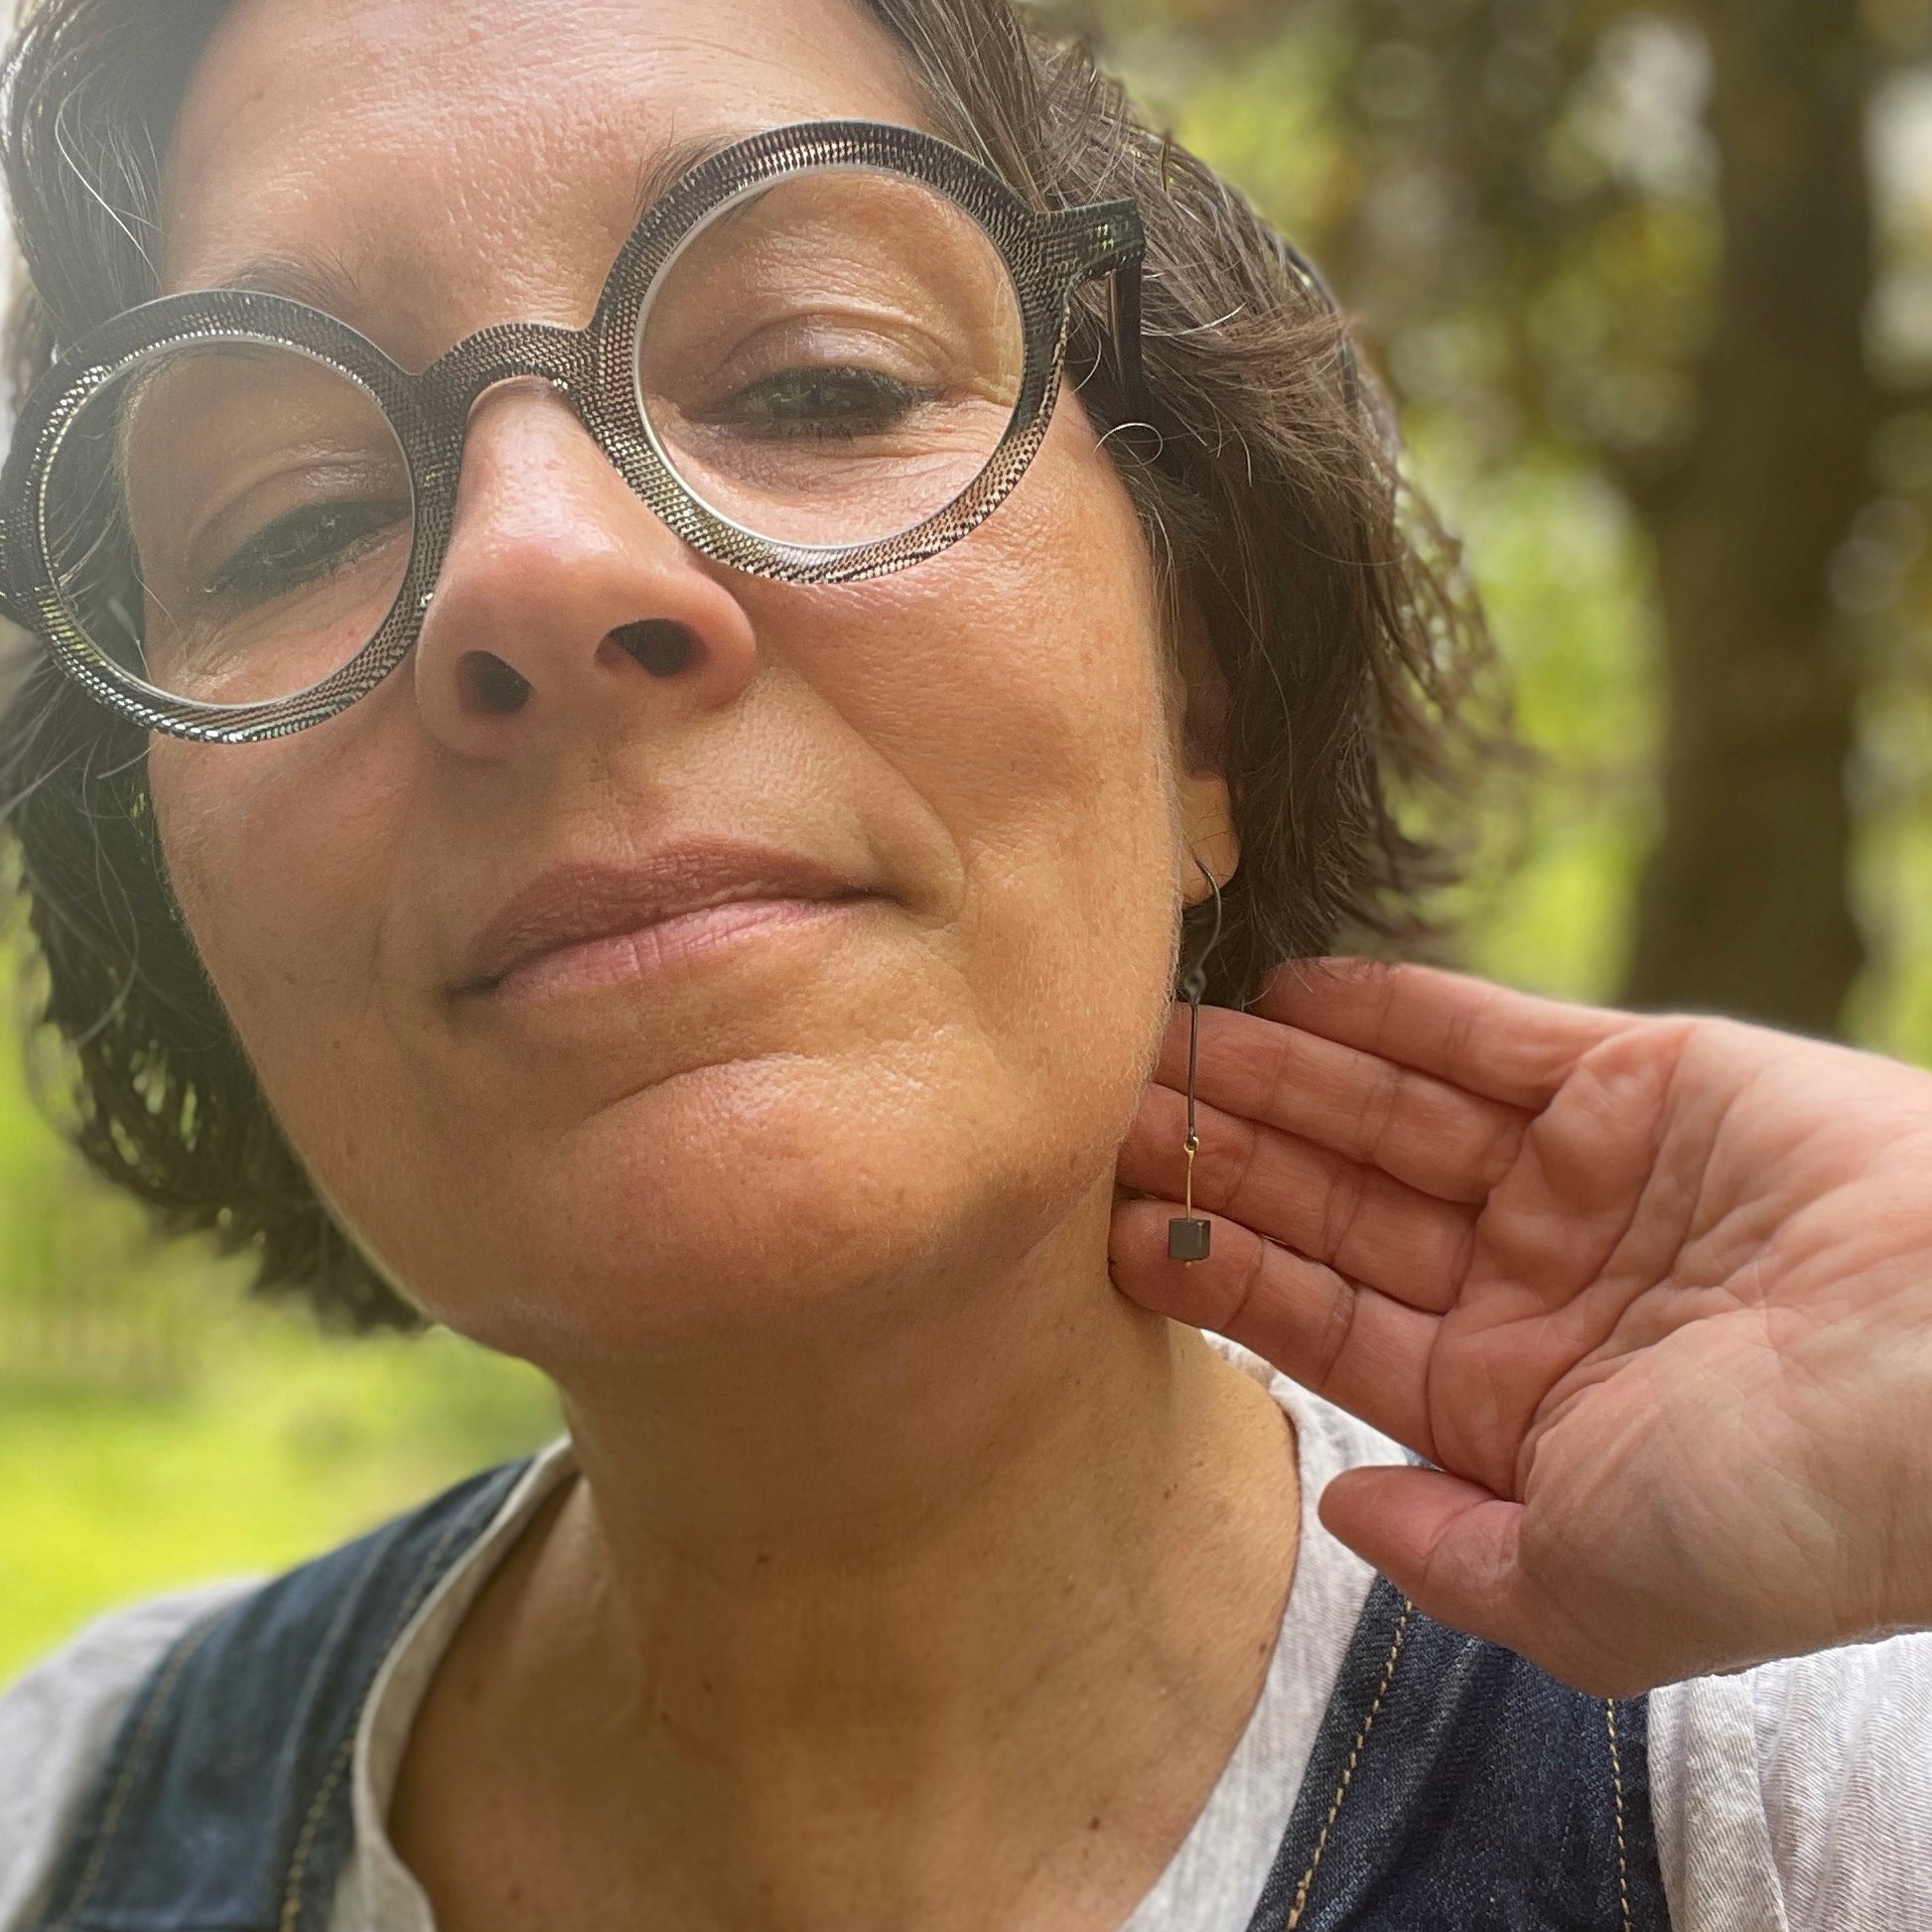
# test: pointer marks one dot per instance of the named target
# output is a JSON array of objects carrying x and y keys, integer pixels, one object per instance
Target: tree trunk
[{"x": 1743, "y": 904}]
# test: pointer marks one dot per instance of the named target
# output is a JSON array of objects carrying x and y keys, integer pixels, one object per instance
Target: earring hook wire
[{"x": 1193, "y": 988}]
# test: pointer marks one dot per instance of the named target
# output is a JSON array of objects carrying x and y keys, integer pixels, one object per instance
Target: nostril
[
  {"x": 660, "y": 644},
  {"x": 490, "y": 685}
]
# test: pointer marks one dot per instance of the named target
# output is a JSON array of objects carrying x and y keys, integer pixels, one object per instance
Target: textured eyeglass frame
[{"x": 1048, "y": 254}]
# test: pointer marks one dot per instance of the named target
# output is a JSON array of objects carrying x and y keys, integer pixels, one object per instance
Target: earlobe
[{"x": 1207, "y": 832}]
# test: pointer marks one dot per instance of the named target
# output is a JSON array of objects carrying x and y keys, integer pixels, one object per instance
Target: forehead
[{"x": 457, "y": 162}]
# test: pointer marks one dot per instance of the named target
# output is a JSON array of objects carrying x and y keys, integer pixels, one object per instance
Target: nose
[{"x": 563, "y": 603}]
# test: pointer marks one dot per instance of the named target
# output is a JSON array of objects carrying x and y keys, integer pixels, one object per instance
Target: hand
[{"x": 1655, "y": 1295}]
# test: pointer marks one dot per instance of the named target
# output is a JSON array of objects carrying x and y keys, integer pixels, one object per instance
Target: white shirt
[{"x": 1792, "y": 1798}]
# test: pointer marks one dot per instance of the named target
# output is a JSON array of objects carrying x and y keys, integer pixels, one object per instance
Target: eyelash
[
  {"x": 244, "y": 575},
  {"x": 882, "y": 400}
]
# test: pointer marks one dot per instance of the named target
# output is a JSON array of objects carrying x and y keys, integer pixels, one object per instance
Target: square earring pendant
[{"x": 1187, "y": 1240}]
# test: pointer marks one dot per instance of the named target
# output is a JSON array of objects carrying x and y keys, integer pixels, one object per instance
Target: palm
[{"x": 1651, "y": 1293}]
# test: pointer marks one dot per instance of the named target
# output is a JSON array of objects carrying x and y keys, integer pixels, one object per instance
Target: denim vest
[{"x": 1452, "y": 1786}]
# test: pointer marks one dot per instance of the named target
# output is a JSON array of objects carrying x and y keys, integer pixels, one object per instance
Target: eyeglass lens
[
  {"x": 825, "y": 362},
  {"x": 834, "y": 360},
  {"x": 229, "y": 519}
]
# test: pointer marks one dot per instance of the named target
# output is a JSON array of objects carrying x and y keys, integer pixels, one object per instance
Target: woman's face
[{"x": 949, "y": 802}]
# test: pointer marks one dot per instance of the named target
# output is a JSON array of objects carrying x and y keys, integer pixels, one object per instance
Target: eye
[
  {"x": 846, "y": 402},
  {"x": 305, "y": 546}
]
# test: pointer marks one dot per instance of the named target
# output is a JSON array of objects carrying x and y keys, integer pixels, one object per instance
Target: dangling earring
[{"x": 1189, "y": 1238}]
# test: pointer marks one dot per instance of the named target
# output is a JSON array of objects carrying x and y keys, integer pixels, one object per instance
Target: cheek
[
  {"x": 1020, "y": 683},
  {"x": 279, "y": 854},
  {"x": 1036, "y": 698}
]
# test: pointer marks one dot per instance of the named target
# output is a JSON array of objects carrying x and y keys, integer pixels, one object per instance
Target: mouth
[{"x": 580, "y": 927}]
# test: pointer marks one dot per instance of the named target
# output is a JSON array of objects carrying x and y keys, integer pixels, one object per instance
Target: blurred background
[{"x": 1653, "y": 289}]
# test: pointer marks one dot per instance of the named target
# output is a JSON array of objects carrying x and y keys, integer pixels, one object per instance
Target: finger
[
  {"x": 1421, "y": 1130},
  {"x": 1359, "y": 1348},
  {"x": 1454, "y": 1550},
  {"x": 1509, "y": 1047},
  {"x": 1362, "y": 1222}
]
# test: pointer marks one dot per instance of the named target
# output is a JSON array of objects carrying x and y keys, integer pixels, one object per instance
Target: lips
[{"x": 579, "y": 906}]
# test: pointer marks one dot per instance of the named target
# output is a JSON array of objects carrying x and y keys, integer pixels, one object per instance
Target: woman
[{"x": 662, "y": 845}]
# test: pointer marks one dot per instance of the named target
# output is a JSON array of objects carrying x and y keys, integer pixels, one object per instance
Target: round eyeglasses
[{"x": 824, "y": 355}]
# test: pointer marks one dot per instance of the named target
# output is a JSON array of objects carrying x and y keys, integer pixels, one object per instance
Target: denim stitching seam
[
  {"x": 292, "y": 1898},
  {"x": 1616, "y": 1790},
  {"x": 291, "y": 1918},
  {"x": 1300, "y": 1906},
  {"x": 124, "y": 1783}
]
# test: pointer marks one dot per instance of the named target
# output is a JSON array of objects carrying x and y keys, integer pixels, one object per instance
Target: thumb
[{"x": 1453, "y": 1548}]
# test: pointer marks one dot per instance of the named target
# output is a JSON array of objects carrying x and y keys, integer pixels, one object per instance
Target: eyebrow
[
  {"x": 327, "y": 281},
  {"x": 657, "y": 178},
  {"x": 302, "y": 275}
]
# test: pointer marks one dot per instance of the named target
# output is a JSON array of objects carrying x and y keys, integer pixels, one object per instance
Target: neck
[{"x": 970, "y": 1607}]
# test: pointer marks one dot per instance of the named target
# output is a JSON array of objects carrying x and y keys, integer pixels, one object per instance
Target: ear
[
  {"x": 1203, "y": 798},
  {"x": 1208, "y": 826}
]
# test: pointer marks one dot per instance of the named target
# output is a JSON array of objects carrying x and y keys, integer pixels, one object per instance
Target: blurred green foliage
[
  {"x": 1524, "y": 203},
  {"x": 157, "y": 1428}
]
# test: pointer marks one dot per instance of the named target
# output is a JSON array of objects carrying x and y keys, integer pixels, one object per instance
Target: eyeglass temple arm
[
  {"x": 14, "y": 607},
  {"x": 1115, "y": 244},
  {"x": 1124, "y": 311},
  {"x": 1109, "y": 239}
]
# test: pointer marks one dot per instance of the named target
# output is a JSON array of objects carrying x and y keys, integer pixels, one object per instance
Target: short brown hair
[{"x": 1351, "y": 646}]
